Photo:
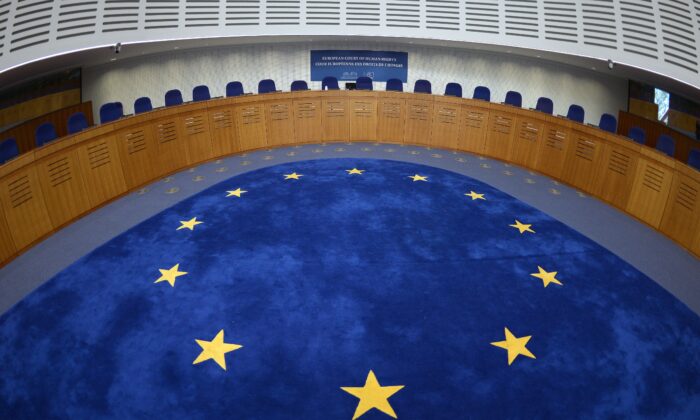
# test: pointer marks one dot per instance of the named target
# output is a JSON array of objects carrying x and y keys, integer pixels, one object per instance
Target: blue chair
[
  {"x": 329, "y": 83},
  {"x": 8, "y": 150},
  {"x": 173, "y": 97},
  {"x": 608, "y": 123},
  {"x": 394, "y": 85},
  {"x": 234, "y": 89},
  {"x": 483, "y": 93},
  {"x": 299, "y": 85},
  {"x": 637, "y": 134},
  {"x": 545, "y": 105},
  {"x": 119, "y": 109},
  {"x": 453, "y": 89},
  {"x": 576, "y": 113},
  {"x": 45, "y": 133},
  {"x": 142, "y": 104},
  {"x": 200, "y": 93},
  {"x": 422, "y": 86},
  {"x": 363, "y": 83},
  {"x": 266, "y": 86},
  {"x": 666, "y": 144},
  {"x": 693, "y": 158},
  {"x": 77, "y": 123},
  {"x": 514, "y": 98},
  {"x": 109, "y": 112}
]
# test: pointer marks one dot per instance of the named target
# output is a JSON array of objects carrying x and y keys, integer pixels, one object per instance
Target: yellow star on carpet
[
  {"x": 475, "y": 196},
  {"x": 190, "y": 224},
  {"x": 522, "y": 227},
  {"x": 417, "y": 177},
  {"x": 515, "y": 346},
  {"x": 293, "y": 175},
  {"x": 354, "y": 171},
  {"x": 170, "y": 275},
  {"x": 215, "y": 349},
  {"x": 373, "y": 395},
  {"x": 237, "y": 192},
  {"x": 546, "y": 277}
]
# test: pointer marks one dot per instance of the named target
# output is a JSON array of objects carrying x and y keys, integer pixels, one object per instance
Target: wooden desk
[{"x": 49, "y": 187}]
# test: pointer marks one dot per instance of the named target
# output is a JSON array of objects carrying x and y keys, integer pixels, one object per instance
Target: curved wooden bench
[{"x": 49, "y": 187}]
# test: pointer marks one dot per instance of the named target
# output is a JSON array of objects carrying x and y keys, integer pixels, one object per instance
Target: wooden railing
[{"x": 49, "y": 187}]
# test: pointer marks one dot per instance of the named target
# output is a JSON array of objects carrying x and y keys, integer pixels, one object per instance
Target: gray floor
[{"x": 649, "y": 251}]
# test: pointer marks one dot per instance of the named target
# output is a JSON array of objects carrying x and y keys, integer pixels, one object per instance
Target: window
[{"x": 662, "y": 99}]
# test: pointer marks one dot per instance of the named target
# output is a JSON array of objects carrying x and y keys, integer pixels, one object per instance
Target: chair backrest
[
  {"x": 142, "y": 104},
  {"x": 8, "y": 150},
  {"x": 545, "y": 105},
  {"x": 394, "y": 85},
  {"x": 694, "y": 159},
  {"x": 118, "y": 109},
  {"x": 453, "y": 89},
  {"x": 201, "y": 93},
  {"x": 234, "y": 89},
  {"x": 637, "y": 134},
  {"x": 173, "y": 97},
  {"x": 666, "y": 144},
  {"x": 422, "y": 86},
  {"x": 514, "y": 98},
  {"x": 45, "y": 133},
  {"x": 608, "y": 123},
  {"x": 576, "y": 113},
  {"x": 363, "y": 83},
  {"x": 299, "y": 85},
  {"x": 77, "y": 123},
  {"x": 329, "y": 83},
  {"x": 109, "y": 112},
  {"x": 483, "y": 93},
  {"x": 266, "y": 86}
]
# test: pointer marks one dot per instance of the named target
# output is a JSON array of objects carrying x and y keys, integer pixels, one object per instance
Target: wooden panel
[
  {"x": 617, "y": 171},
  {"x": 500, "y": 136},
  {"x": 652, "y": 185},
  {"x": 7, "y": 244},
  {"x": 583, "y": 161},
  {"x": 527, "y": 141},
  {"x": 250, "y": 123},
  {"x": 446, "y": 123},
  {"x": 280, "y": 123},
  {"x": 392, "y": 119},
  {"x": 553, "y": 150},
  {"x": 41, "y": 106},
  {"x": 197, "y": 136},
  {"x": 171, "y": 147},
  {"x": 363, "y": 119},
  {"x": 472, "y": 135},
  {"x": 681, "y": 219},
  {"x": 653, "y": 130},
  {"x": 696, "y": 243},
  {"x": 62, "y": 186},
  {"x": 24, "y": 207},
  {"x": 419, "y": 117},
  {"x": 137, "y": 153},
  {"x": 101, "y": 169},
  {"x": 336, "y": 119},
  {"x": 307, "y": 120},
  {"x": 222, "y": 129}
]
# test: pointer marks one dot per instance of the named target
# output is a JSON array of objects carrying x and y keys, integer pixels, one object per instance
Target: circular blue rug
[{"x": 350, "y": 288}]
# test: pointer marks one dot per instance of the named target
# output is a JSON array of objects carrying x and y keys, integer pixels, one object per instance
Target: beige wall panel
[
  {"x": 222, "y": 126},
  {"x": 651, "y": 188},
  {"x": 392, "y": 120},
  {"x": 101, "y": 169},
  {"x": 280, "y": 122},
  {"x": 527, "y": 141},
  {"x": 447, "y": 118},
  {"x": 363, "y": 119},
  {"x": 617, "y": 171},
  {"x": 553, "y": 150},
  {"x": 500, "y": 134},
  {"x": 197, "y": 136},
  {"x": 472, "y": 135},
  {"x": 138, "y": 154},
  {"x": 251, "y": 125},
  {"x": 583, "y": 161},
  {"x": 308, "y": 120},
  {"x": 681, "y": 218},
  {"x": 336, "y": 119},
  {"x": 419, "y": 116},
  {"x": 62, "y": 186},
  {"x": 24, "y": 207}
]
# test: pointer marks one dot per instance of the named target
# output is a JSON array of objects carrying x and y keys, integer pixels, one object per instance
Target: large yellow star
[
  {"x": 354, "y": 171},
  {"x": 417, "y": 177},
  {"x": 546, "y": 277},
  {"x": 515, "y": 346},
  {"x": 215, "y": 349},
  {"x": 293, "y": 175},
  {"x": 522, "y": 227},
  {"x": 170, "y": 275},
  {"x": 237, "y": 192},
  {"x": 190, "y": 224},
  {"x": 475, "y": 196},
  {"x": 373, "y": 395}
]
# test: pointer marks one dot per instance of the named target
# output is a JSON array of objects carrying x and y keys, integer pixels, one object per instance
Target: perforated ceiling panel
[{"x": 660, "y": 35}]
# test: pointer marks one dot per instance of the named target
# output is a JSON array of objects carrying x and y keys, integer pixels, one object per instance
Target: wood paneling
[
  {"x": 196, "y": 135},
  {"x": 7, "y": 244},
  {"x": 251, "y": 125},
  {"x": 280, "y": 122},
  {"x": 336, "y": 119},
  {"x": 681, "y": 218},
  {"x": 138, "y": 154},
  {"x": 171, "y": 147},
  {"x": 617, "y": 171},
  {"x": 40, "y": 107},
  {"x": 650, "y": 190},
  {"x": 419, "y": 117},
  {"x": 224, "y": 136},
  {"x": 653, "y": 130},
  {"x": 526, "y": 141},
  {"x": 472, "y": 135},
  {"x": 553, "y": 150},
  {"x": 308, "y": 125},
  {"x": 102, "y": 169},
  {"x": 363, "y": 118},
  {"x": 392, "y": 119},
  {"x": 500, "y": 135},
  {"x": 584, "y": 160},
  {"x": 447, "y": 118}
]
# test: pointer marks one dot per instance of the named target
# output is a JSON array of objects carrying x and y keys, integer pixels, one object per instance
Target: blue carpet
[{"x": 327, "y": 277}]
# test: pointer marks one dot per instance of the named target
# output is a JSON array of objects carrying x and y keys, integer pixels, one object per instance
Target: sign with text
[{"x": 379, "y": 66}]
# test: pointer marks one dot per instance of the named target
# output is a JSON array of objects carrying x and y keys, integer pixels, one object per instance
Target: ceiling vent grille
[
  {"x": 403, "y": 13},
  {"x": 362, "y": 13},
  {"x": 599, "y": 23},
  {"x": 481, "y": 16},
  {"x": 282, "y": 12},
  {"x": 560, "y": 21},
  {"x": 120, "y": 15},
  {"x": 522, "y": 18},
  {"x": 638, "y": 28},
  {"x": 322, "y": 12},
  {"x": 76, "y": 18},
  {"x": 201, "y": 13},
  {"x": 4, "y": 16},
  {"x": 162, "y": 14},
  {"x": 242, "y": 12},
  {"x": 31, "y": 24},
  {"x": 678, "y": 34},
  {"x": 442, "y": 14}
]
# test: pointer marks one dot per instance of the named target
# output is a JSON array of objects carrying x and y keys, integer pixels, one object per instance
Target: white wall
[{"x": 153, "y": 75}]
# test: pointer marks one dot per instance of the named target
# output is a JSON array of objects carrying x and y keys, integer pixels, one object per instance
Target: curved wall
[
  {"x": 659, "y": 35},
  {"x": 153, "y": 75}
]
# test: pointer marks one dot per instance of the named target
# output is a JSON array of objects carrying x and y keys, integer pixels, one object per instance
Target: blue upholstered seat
[
  {"x": 694, "y": 159},
  {"x": 514, "y": 98},
  {"x": 576, "y": 113},
  {"x": 8, "y": 150},
  {"x": 608, "y": 123},
  {"x": 299, "y": 85},
  {"x": 394, "y": 85},
  {"x": 363, "y": 83},
  {"x": 637, "y": 134},
  {"x": 666, "y": 144},
  {"x": 173, "y": 97},
  {"x": 201, "y": 93},
  {"x": 545, "y": 105},
  {"x": 45, "y": 133},
  {"x": 422, "y": 86},
  {"x": 110, "y": 112},
  {"x": 453, "y": 89},
  {"x": 142, "y": 104},
  {"x": 483, "y": 93},
  {"x": 234, "y": 89},
  {"x": 77, "y": 123},
  {"x": 329, "y": 83},
  {"x": 266, "y": 86}
]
